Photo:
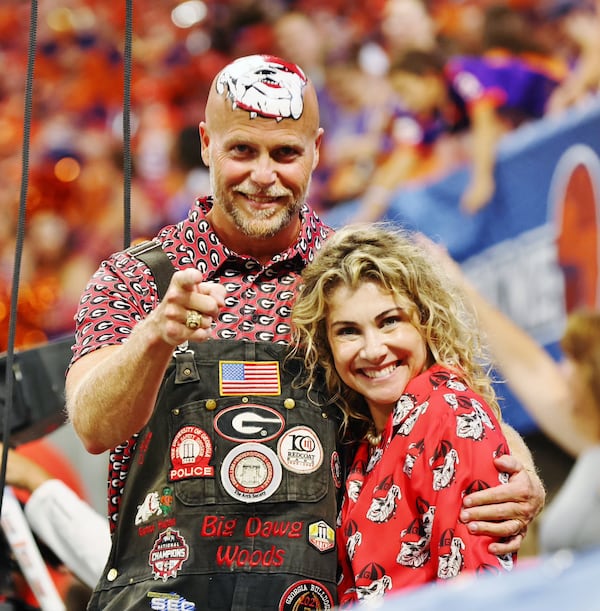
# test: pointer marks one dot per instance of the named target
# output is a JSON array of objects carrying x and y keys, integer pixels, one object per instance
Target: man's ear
[
  {"x": 204, "y": 143},
  {"x": 318, "y": 141}
]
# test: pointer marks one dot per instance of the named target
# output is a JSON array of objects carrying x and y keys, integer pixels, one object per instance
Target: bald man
[{"x": 232, "y": 471}]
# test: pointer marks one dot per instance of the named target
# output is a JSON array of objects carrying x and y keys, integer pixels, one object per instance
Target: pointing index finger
[
  {"x": 187, "y": 279},
  {"x": 214, "y": 290}
]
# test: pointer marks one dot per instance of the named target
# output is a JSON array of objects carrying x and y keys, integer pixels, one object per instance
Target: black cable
[
  {"x": 20, "y": 230},
  {"x": 20, "y": 235},
  {"x": 127, "y": 123}
]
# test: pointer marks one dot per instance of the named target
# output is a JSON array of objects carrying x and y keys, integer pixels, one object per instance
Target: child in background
[{"x": 482, "y": 96}]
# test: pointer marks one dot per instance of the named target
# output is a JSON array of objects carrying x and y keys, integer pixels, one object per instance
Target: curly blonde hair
[{"x": 391, "y": 258}]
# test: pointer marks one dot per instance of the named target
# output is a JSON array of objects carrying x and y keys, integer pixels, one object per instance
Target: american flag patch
[{"x": 249, "y": 377}]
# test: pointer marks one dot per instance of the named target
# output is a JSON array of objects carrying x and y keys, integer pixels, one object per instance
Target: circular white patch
[
  {"x": 300, "y": 450},
  {"x": 251, "y": 472}
]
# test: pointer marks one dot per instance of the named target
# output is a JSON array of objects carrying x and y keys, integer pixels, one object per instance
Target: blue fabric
[
  {"x": 560, "y": 582},
  {"x": 501, "y": 241}
]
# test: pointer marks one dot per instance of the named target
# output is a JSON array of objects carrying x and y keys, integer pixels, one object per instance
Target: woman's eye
[
  {"x": 346, "y": 331},
  {"x": 391, "y": 321}
]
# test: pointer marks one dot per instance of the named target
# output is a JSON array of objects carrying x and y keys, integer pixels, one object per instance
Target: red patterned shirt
[
  {"x": 258, "y": 300},
  {"x": 399, "y": 520}
]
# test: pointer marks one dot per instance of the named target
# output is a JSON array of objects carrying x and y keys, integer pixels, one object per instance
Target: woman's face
[{"x": 376, "y": 345}]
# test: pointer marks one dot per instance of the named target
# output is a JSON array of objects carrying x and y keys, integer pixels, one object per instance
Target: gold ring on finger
[{"x": 193, "y": 320}]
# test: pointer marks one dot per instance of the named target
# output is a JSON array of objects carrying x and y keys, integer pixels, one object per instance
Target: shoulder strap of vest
[{"x": 152, "y": 254}]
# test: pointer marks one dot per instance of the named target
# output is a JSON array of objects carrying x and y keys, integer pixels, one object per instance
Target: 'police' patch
[
  {"x": 191, "y": 451},
  {"x": 251, "y": 472},
  {"x": 306, "y": 594}
]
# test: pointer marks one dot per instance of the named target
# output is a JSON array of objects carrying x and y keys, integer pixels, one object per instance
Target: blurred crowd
[{"x": 349, "y": 48}]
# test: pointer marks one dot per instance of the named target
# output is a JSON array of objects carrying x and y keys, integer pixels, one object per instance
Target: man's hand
[
  {"x": 186, "y": 294},
  {"x": 505, "y": 510},
  {"x": 22, "y": 472}
]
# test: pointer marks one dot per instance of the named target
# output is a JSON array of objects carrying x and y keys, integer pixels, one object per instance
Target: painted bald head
[
  {"x": 260, "y": 140},
  {"x": 265, "y": 86}
]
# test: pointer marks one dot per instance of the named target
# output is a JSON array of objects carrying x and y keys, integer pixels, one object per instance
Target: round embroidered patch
[
  {"x": 300, "y": 450},
  {"x": 191, "y": 451},
  {"x": 306, "y": 594},
  {"x": 251, "y": 472}
]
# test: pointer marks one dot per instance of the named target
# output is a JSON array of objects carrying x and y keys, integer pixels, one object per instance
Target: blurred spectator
[
  {"x": 571, "y": 520},
  {"x": 427, "y": 115},
  {"x": 581, "y": 26},
  {"x": 189, "y": 178},
  {"x": 30, "y": 467},
  {"x": 483, "y": 97},
  {"x": 459, "y": 25},
  {"x": 507, "y": 85},
  {"x": 56, "y": 509},
  {"x": 406, "y": 25},
  {"x": 354, "y": 114},
  {"x": 53, "y": 272},
  {"x": 562, "y": 397}
]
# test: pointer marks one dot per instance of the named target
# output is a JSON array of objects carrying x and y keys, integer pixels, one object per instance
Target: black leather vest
[{"x": 230, "y": 500}]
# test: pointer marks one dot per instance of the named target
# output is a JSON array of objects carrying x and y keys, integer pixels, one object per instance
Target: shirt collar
[{"x": 312, "y": 236}]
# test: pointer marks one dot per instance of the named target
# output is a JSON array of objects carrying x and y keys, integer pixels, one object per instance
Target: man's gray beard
[{"x": 254, "y": 227}]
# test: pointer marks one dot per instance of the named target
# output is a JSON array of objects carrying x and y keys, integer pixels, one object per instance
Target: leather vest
[{"x": 230, "y": 499}]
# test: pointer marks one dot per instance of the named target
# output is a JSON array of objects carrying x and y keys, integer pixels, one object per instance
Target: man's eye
[{"x": 285, "y": 154}]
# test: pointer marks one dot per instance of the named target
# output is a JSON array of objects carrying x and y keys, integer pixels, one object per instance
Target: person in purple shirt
[{"x": 484, "y": 96}]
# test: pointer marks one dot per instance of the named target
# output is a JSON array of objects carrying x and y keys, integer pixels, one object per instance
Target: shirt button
[
  {"x": 112, "y": 574},
  {"x": 289, "y": 403}
]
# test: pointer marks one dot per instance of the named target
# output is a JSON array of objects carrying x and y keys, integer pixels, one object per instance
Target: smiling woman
[
  {"x": 402, "y": 356},
  {"x": 376, "y": 344}
]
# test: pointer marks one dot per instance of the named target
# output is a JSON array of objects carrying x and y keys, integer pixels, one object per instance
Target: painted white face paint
[{"x": 265, "y": 86}]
